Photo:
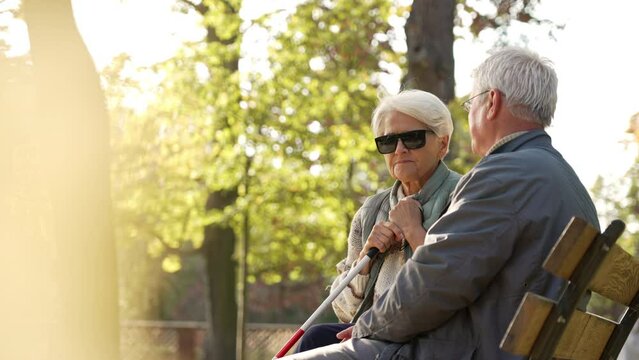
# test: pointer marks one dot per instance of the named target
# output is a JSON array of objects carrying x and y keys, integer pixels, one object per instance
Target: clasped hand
[{"x": 404, "y": 223}]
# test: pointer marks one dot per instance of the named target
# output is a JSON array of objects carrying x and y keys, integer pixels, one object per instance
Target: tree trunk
[
  {"x": 61, "y": 217},
  {"x": 219, "y": 244},
  {"x": 220, "y": 239},
  {"x": 429, "y": 36}
]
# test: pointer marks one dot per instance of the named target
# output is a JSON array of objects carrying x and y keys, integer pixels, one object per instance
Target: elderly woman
[{"x": 413, "y": 130}]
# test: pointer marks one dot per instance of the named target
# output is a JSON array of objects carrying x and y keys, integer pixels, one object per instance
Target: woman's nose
[{"x": 400, "y": 147}]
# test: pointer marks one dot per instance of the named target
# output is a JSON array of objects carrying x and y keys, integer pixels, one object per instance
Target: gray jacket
[{"x": 455, "y": 298}]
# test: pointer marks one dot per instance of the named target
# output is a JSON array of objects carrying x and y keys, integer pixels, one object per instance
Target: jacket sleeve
[
  {"x": 348, "y": 301},
  {"x": 467, "y": 248}
]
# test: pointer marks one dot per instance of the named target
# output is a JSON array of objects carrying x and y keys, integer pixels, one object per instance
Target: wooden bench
[{"x": 589, "y": 260}]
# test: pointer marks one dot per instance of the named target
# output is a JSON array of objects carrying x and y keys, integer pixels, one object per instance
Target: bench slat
[
  {"x": 585, "y": 335},
  {"x": 617, "y": 277},
  {"x": 570, "y": 248},
  {"x": 526, "y": 325}
]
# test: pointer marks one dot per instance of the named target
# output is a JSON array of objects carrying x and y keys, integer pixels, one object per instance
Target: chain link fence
[
  {"x": 265, "y": 340},
  {"x": 184, "y": 340}
]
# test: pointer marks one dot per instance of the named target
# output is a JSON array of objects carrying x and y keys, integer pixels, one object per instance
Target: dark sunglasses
[{"x": 411, "y": 139}]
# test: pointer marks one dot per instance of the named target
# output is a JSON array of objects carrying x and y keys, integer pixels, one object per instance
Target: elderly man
[{"x": 456, "y": 296}]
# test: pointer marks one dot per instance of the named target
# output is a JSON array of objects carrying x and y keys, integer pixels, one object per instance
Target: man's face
[{"x": 476, "y": 114}]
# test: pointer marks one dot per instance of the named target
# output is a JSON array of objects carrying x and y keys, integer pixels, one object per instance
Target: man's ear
[{"x": 495, "y": 102}]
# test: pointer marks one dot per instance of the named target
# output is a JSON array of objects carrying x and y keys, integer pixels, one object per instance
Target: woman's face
[{"x": 412, "y": 165}]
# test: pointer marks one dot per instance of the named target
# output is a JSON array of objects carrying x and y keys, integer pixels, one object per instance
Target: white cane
[{"x": 351, "y": 274}]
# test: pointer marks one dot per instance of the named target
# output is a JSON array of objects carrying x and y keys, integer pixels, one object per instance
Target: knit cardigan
[{"x": 363, "y": 290}]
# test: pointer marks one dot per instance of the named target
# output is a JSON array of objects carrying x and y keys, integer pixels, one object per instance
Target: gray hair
[
  {"x": 419, "y": 104},
  {"x": 528, "y": 82}
]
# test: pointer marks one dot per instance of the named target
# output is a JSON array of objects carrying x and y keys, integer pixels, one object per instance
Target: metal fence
[
  {"x": 184, "y": 340},
  {"x": 265, "y": 340}
]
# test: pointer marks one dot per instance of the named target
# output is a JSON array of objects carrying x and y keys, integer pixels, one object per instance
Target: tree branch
[
  {"x": 211, "y": 37},
  {"x": 185, "y": 222},
  {"x": 229, "y": 6},
  {"x": 201, "y": 8},
  {"x": 172, "y": 250}
]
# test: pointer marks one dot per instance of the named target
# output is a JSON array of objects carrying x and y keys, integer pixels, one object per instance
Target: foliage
[
  {"x": 183, "y": 145},
  {"x": 296, "y": 143},
  {"x": 619, "y": 199},
  {"x": 500, "y": 14},
  {"x": 325, "y": 74}
]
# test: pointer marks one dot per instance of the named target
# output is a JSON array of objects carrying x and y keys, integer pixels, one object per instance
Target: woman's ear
[{"x": 443, "y": 146}]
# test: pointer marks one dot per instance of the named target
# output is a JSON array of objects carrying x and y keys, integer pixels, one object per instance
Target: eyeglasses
[
  {"x": 467, "y": 104},
  {"x": 411, "y": 139}
]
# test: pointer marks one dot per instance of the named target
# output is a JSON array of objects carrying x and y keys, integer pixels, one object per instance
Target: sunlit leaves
[
  {"x": 305, "y": 130},
  {"x": 171, "y": 263},
  {"x": 317, "y": 120}
]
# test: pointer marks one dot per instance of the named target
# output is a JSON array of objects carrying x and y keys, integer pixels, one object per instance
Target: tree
[
  {"x": 176, "y": 162},
  {"x": 65, "y": 302},
  {"x": 429, "y": 40}
]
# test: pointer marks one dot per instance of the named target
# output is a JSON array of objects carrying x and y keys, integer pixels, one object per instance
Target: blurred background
[{"x": 179, "y": 176}]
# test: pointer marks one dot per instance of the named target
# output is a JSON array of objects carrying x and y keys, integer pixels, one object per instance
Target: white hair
[
  {"x": 527, "y": 81},
  {"x": 421, "y": 105}
]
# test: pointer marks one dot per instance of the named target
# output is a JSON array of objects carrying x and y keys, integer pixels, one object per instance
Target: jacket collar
[{"x": 537, "y": 137}]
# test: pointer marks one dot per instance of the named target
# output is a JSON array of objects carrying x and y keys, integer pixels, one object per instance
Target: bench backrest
[{"x": 588, "y": 260}]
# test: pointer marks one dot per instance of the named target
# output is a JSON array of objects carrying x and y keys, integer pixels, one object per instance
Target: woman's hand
[
  {"x": 384, "y": 237},
  {"x": 407, "y": 215}
]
